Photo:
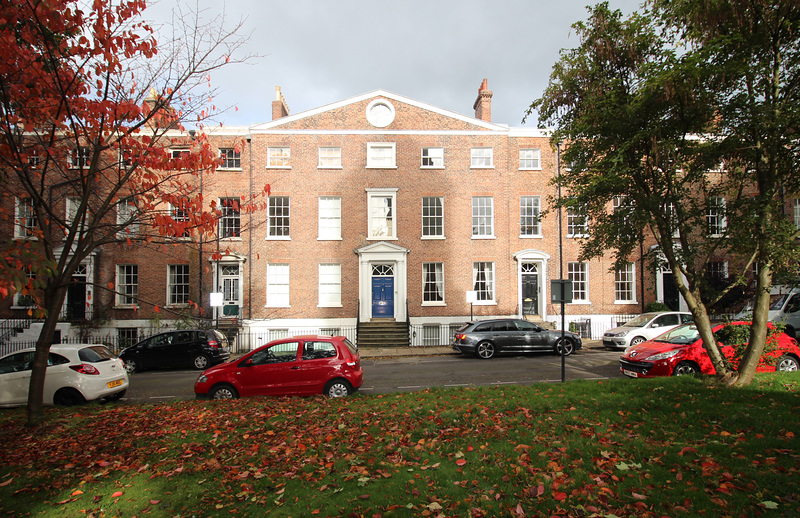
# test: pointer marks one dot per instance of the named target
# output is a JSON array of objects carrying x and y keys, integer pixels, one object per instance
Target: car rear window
[
  {"x": 353, "y": 348},
  {"x": 95, "y": 354}
]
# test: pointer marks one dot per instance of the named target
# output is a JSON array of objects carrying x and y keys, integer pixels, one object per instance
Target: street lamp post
[{"x": 561, "y": 263}]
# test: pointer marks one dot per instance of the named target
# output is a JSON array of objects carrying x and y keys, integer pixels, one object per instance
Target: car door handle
[{"x": 295, "y": 368}]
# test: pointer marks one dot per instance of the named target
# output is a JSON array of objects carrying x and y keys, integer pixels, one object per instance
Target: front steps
[{"x": 383, "y": 333}]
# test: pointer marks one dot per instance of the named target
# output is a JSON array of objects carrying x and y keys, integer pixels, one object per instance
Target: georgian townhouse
[{"x": 383, "y": 211}]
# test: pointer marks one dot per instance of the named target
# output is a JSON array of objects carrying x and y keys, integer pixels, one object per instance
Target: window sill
[
  {"x": 176, "y": 306},
  {"x": 433, "y": 304},
  {"x": 485, "y": 303},
  {"x": 277, "y": 307},
  {"x": 429, "y": 167},
  {"x": 535, "y": 236},
  {"x": 381, "y": 167},
  {"x": 432, "y": 238},
  {"x": 126, "y": 306},
  {"x": 625, "y": 302},
  {"x": 330, "y": 306},
  {"x": 482, "y": 167},
  {"x": 577, "y": 236},
  {"x": 329, "y": 238},
  {"x": 484, "y": 237},
  {"x": 231, "y": 239},
  {"x": 530, "y": 169},
  {"x": 278, "y": 167},
  {"x": 233, "y": 169},
  {"x": 581, "y": 303},
  {"x": 329, "y": 167}
]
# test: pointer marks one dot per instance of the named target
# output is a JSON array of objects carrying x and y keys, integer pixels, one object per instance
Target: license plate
[
  {"x": 112, "y": 384},
  {"x": 630, "y": 373}
]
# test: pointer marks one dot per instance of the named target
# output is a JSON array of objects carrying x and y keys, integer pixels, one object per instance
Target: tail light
[
  {"x": 213, "y": 343},
  {"x": 461, "y": 336},
  {"x": 85, "y": 368}
]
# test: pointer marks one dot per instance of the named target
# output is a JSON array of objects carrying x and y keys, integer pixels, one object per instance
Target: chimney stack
[
  {"x": 279, "y": 108},
  {"x": 483, "y": 104}
]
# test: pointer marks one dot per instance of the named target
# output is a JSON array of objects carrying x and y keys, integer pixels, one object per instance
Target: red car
[
  {"x": 680, "y": 351},
  {"x": 297, "y": 366}
]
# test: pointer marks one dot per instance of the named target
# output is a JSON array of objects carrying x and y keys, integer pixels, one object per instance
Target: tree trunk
[
  {"x": 54, "y": 299},
  {"x": 759, "y": 329}
]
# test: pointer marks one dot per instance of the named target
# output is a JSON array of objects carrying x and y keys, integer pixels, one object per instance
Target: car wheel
[
  {"x": 485, "y": 350},
  {"x": 637, "y": 340},
  {"x": 68, "y": 397},
  {"x": 787, "y": 363},
  {"x": 200, "y": 362},
  {"x": 685, "y": 369},
  {"x": 224, "y": 391},
  {"x": 131, "y": 366},
  {"x": 568, "y": 346},
  {"x": 337, "y": 388}
]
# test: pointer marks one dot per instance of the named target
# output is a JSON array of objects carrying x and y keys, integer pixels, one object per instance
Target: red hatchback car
[
  {"x": 680, "y": 351},
  {"x": 297, "y": 366}
]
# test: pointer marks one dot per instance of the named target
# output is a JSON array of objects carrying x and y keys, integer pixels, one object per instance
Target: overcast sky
[{"x": 434, "y": 51}]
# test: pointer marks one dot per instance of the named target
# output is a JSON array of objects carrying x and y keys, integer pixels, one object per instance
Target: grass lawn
[{"x": 664, "y": 447}]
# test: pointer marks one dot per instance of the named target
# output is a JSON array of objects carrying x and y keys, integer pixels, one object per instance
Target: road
[{"x": 385, "y": 375}]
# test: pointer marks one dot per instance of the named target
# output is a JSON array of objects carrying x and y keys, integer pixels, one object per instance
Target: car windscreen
[
  {"x": 95, "y": 354},
  {"x": 639, "y": 321},
  {"x": 681, "y": 335}
]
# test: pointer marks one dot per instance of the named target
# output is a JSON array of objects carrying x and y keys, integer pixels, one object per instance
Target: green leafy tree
[
  {"x": 652, "y": 155},
  {"x": 90, "y": 106}
]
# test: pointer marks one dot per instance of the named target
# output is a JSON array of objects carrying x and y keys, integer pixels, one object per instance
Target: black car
[
  {"x": 187, "y": 348},
  {"x": 486, "y": 338}
]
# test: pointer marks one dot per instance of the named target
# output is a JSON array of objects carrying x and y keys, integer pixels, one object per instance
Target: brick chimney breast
[
  {"x": 279, "y": 107},
  {"x": 483, "y": 104}
]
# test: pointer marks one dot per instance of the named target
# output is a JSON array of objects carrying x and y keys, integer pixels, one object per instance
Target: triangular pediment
[
  {"x": 370, "y": 112},
  {"x": 381, "y": 247}
]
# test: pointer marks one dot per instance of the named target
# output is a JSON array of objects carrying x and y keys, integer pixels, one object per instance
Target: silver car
[{"x": 644, "y": 327}]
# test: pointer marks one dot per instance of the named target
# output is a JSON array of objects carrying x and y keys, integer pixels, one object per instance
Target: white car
[
  {"x": 644, "y": 327},
  {"x": 76, "y": 373}
]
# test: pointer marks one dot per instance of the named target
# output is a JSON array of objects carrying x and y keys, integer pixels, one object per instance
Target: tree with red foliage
[{"x": 90, "y": 106}]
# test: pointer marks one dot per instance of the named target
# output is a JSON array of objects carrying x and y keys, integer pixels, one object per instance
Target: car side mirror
[{"x": 247, "y": 363}]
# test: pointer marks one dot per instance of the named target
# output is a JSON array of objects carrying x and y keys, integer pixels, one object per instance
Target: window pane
[
  {"x": 529, "y": 208},
  {"x": 432, "y": 157},
  {"x": 578, "y": 274},
  {"x": 330, "y": 217},
  {"x": 278, "y": 157},
  {"x": 330, "y": 285},
  {"x": 433, "y": 282},
  {"x": 624, "y": 284},
  {"x": 432, "y": 216},
  {"x": 530, "y": 159},
  {"x": 482, "y": 216},
  {"x": 278, "y": 285},
  {"x": 178, "y": 284},
  {"x": 330, "y": 157},
  {"x": 483, "y": 280},
  {"x": 279, "y": 216},
  {"x": 230, "y": 158},
  {"x": 127, "y": 284}
]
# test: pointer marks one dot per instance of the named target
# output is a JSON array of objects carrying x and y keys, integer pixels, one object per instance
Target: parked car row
[{"x": 306, "y": 365}]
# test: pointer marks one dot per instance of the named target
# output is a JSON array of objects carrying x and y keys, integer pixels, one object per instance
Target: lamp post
[{"x": 561, "y": 262}]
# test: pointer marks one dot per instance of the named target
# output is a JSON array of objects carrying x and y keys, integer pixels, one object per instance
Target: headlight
[
  {"x": 664, "y": 356},
  {"x": 202, "y": 379}
]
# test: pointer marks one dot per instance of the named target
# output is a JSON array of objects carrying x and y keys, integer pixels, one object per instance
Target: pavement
[{"x": 400, "y": 352}]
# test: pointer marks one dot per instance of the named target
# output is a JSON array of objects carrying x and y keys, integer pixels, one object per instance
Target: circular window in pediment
[{"x": 380, "y": 113}]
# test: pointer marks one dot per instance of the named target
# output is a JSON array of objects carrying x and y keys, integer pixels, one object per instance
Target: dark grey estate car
[
  {"x": 186, "y": 348},
  {"x": 486, "y": 338}
]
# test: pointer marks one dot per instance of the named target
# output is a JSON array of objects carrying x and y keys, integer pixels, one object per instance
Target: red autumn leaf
[
  {"x": 116, "y": 494},
  {"x": 559, "y": 495},
  {"x": 461, "y": 462},
  {"x": 686, "y": 450},
  {"x": 638, "y": 496}
]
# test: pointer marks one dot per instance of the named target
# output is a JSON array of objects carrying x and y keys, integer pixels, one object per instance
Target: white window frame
[
  {"x": 625, "y": 284},
  {"x": 25, "y": 300},
  {"x": 530, "y": 208},
  {"x": 578, "y": 273},
  {"x": 433, "y": 218},
  {"x": 276, "y": 231},
  {"x": 79, "y": 157},
  {"x": 330, "y": 285},
  {"x": 435, "y": 296},
  {"x": 488, "y": 292},
  {"x": 481, "y": 158},
  {"x": 177, "y": 289},
  {"x": 330, "y": 157},
  {"x": 230, "y": 211},
  {"x": 128, "y": 214},
  {"x": 797, "y": 213},
  {"x": 434, "y": 156},
  {"x": 716, "y": 222},
  {"x": 530, "y": 159},
  {"x": 577, "y": 223},
  {"x": 25, "y": 223},
  {"x": 389, "y": 228},
  {"x": 230, "y": 156},
  {"x": 329, "y": 223},
  {"x": 483, "y": 217},
  {"x": 381, "y": 155},
  {"x": 279, "y": 157},
  {"x": 180, "y": 215},
  {"x": 278, "y": 285},
  {"x": 127, "y": 292}
]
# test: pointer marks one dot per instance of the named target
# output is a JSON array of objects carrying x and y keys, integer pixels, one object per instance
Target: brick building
[{"x": 382, "y": 209}]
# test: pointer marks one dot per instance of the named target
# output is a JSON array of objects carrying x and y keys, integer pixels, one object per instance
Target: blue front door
[{"x": 383, "y": 297}]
